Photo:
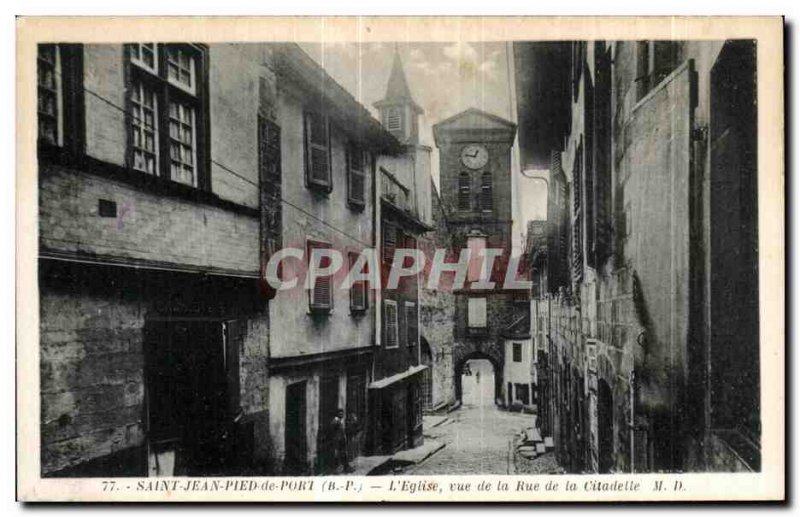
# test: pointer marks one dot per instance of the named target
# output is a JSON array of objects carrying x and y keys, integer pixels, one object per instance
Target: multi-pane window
[
  {"x": 182, "y": 143},
  {"x": 181, "y": 68},
  {"x": 476, "y": 312},
  {"x": 165, "y": 111},
  {"x": 463, "y": 191},
  {"x": 486, "y": 192},
  {"x": 320, "y": 296},
  {"x": 49, "y": 93},
  {"x": 356, "y": 176},
  {"x": 144, "y": 128},
  {"x": 390, "y": 326},
  {"x": 318, "y": 151},
  {"x": 144, "y": 55},
  {"x": 358, "y": 291}
]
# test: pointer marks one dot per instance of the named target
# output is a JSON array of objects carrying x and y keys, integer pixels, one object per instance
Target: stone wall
[
  {"x": 92, "y": 367},
  {"x": 92, "y": 377},
  {"x": 148, "y": 227},
  {"x": 437, "y": 313}
]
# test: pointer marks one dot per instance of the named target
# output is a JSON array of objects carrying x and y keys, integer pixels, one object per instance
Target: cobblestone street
[{"x": 476, "y": 441}]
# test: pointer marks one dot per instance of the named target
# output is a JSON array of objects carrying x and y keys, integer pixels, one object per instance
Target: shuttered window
[
  {"x": 463, "y": 191},
  {"x": 394, "y": 122},
  {"x": 486, "y": 192},
  {"x": 318, "y": 153},
  {"x": 389, "y": 242},
  {"x": 390, "y": 324},
  {"x": 356, "y": 177},
  {"x": 358, "y": 291},
  {"x": 320, "y": 295}
]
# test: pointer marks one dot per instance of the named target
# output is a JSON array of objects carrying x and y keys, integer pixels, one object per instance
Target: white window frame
[
  {"x": 192, "y": 86},
  {"x": 140, "y": 88},
  {"x": 193, "y": 128},
  {"x": 140, "y": 62}
]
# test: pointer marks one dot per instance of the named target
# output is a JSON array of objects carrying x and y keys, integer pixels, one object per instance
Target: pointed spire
[{"x": 397, "y": 88}]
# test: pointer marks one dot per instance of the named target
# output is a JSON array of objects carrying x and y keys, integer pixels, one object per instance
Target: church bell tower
[{"x": 399, "y": 113}]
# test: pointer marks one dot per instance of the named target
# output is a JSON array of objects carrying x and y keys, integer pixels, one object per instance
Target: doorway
[
  {"x": 605, "y": 427},
  {"x": 295, "y": 459},
  {"x": 187, "y": 397}
]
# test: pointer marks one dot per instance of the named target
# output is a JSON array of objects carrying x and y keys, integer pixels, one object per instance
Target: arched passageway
[{"x": 478, "y": 380}]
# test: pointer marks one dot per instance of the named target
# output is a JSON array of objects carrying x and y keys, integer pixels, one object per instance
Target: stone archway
[{"x": 497, "y": 365}]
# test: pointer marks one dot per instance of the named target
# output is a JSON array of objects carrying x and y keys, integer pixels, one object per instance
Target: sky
[{"x": 445, "y": 79}]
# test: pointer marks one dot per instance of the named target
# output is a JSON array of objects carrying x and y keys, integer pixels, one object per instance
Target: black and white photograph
[{"x": 390, "y": 260}]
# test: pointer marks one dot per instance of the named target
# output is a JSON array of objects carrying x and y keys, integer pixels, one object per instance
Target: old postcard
[{"x": 400, "y": 259}]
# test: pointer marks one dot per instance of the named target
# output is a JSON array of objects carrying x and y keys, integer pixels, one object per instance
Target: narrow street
[{"x": 476, "y": 441}]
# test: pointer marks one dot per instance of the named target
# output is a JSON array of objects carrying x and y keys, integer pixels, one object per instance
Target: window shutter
[
  {"x": 320, "y": 295},
  {"x": 390, "y": 323},
  {"x": 358, "y": 291},
  {"x": 356, "y": 183},
  {"x": 486, "y": 192},
  {"x": 463, "y": 191},
  {"x": 317, "y": 136},
  {"x": 389, "y": 242}
]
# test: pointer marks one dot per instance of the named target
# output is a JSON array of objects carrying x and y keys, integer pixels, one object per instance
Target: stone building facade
[
  {"x": 322, "y": 335},
  {"x": 652, "y": 335},
  {"x": 476, "y": 197},
  {"x": 169, "y": 176},
  {"x": 148, "y": 236},
  {"x": 401, "y": 376}
]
